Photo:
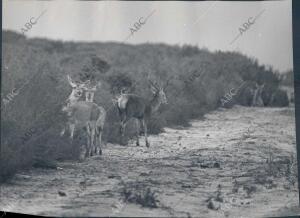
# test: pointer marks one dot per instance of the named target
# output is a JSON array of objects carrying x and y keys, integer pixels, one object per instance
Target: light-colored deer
[
  {"x": 257, "y": 96},
  {"x": 84, "y": 114},
  {"x": 133, "y": 106}
]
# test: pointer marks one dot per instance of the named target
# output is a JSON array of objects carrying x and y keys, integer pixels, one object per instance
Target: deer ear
[{"x": 73, "y": 85}]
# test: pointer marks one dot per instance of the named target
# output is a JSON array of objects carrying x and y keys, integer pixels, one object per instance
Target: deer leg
[
  {"x": 99, "y": 133},
  {"x": 72, "y": 129},
  {"x": 63, "y": 131},
  {"x": 123, "y": 123},
  {"x": 145, "y": 132},
  {"x": 96, "y": 142},
  {"x": 122, "y": 127},
  {"x": 141, "y": 128},
  {"x": 88, "y": 145},
  {"x": 137, "y": 123},
  {"x": 86, "y": 96},
  {"x": 92, "y": 147}
]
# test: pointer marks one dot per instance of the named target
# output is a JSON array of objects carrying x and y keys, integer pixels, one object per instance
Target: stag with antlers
[
  {"x": 133, "y": 106},
  {"x": 84, "y": 114}
]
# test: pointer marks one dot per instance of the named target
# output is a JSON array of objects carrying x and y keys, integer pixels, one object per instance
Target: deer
[
  {"x": 251, "y": 94},
  {"x": 133, "y": 106},
  {"x": 84, "y": 114},
  {"x": 257, "y": 93}
]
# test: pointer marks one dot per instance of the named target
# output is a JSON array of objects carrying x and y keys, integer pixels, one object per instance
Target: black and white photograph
[{"x": 148, "y": 109}]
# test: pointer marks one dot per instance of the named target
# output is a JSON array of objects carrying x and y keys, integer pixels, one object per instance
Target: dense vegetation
[{"x": 31, "y": 113}]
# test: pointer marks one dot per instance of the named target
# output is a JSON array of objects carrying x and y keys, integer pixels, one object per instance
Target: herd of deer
[{"x": 86, "y": 113}]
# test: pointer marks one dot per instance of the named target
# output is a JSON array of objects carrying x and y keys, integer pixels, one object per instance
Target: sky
[{"x": 214, "y": 25}]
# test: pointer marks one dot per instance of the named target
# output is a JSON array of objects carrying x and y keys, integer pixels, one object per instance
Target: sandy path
[{"x": 215, "y": 168}]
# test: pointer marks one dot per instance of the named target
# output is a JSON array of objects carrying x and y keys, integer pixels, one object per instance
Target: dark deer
[{"x": 133, "y": 106}]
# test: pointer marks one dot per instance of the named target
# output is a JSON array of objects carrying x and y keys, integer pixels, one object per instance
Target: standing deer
[
  {"x": 84, "y": 114},
  {"x": 257, "y": 93},
  {"x": 251, "y": 94},
  {"x": 133, "y": 106}
]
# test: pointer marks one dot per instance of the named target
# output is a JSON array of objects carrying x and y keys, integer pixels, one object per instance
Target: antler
[
  {"x": 157, "y": 85},
  {"x": 168, "y": 80},
  {"x": 152, "y": 83}
]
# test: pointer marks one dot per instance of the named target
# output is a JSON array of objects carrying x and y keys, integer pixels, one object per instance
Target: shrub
[
  {"x": 280, "y": 99},
  {"x": 200, "y": 79},
  {"x": 143, "y": 196}
]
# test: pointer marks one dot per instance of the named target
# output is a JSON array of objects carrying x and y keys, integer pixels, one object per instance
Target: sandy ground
[{"x": 233, "y": 163}]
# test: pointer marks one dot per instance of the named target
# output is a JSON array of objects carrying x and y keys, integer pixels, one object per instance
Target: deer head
[
  {"x": 77, "y": 91},
  {"x": 158, "y": 90}
]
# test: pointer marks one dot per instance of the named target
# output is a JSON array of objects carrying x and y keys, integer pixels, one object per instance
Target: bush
[
  {"x": 199, "y": 80},
  {"x": 280, "y": 99},
  {"x": 134, "y": 193},
  {"x": 274, "y": 97}
]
